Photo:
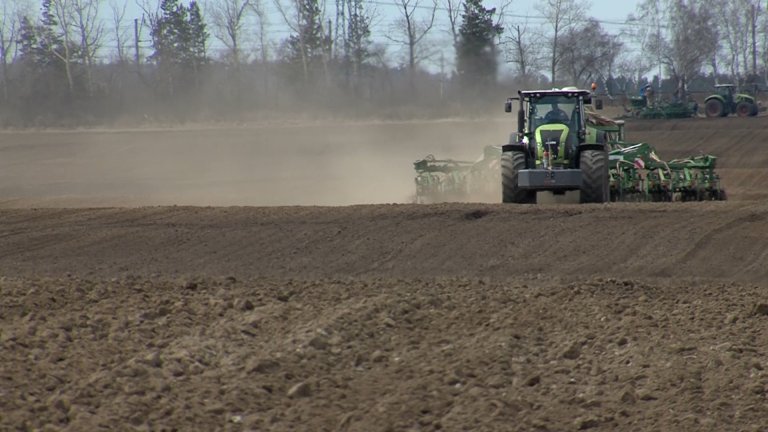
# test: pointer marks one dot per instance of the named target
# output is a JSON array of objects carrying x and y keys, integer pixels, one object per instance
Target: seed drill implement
[{"x": 563, "y": 149}]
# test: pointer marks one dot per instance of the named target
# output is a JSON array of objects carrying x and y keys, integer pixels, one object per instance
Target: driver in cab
[{"x": 556, "y": 115}]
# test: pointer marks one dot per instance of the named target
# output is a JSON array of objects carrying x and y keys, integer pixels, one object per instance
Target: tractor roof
[{"x": 569, "y": 92}]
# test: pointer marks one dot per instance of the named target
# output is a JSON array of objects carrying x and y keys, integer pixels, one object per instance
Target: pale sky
[
  {"x": 609, "y": 10},
  {"x": 613, "y": 10}
]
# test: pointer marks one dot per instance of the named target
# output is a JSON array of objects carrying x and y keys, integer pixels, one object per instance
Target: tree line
[{"x": 85, "y": 62}]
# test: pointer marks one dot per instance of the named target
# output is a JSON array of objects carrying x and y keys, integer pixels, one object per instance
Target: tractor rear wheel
[
  {"x": 743, "y": 109},
  {"x": 511, "y": 164},
  {"x": 594, "y": 176},
  {"x": 714, "y": 108}
]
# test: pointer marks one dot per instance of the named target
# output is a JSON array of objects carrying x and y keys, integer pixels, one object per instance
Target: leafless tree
[
  {"x": 227, "y": 18},
  {"x": 151, "y": 13},
  {"x": 413, "y": 30},
  {"x": 739, "y": 21},
  {"x": 10, "y": 11},
  {"x": 119, "y": 31},
  {"x": 61, "y": 11},
  {"x": 357, "y": 41},
  {"x": 453, "y": 10},
  {"x": 583, "y": 62},
  {"x": 644, "y": 28},
  {"x": 763, "y": 45},
  {"x": 522, "y": 50},
  {"x": 263, "y": 42},
  {"x": 304, "y": 17},
  {"x": 89, "y": 28},
  {"x": 693, "y": 40},
  {"x": 734, "y": 37},
  {"x": 654, "y": 20},
  {"x": 754, "y": 12},
  {"x": 561, "y": 15}
]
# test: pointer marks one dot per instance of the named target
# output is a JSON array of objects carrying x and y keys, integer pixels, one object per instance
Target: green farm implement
[
  {"x": 637, "y": 174},
  {"x": 639, "y": 108},
  {"x": 439, "y": 180}
]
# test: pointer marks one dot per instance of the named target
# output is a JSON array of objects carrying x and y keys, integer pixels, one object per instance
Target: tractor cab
[
  {"x": 726, "y": 91},
  {"x": 552, "y": 122}
]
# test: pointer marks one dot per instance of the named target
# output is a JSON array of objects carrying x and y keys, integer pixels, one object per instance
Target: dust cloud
[
  {"x": 308, "y": 164},
  {"x": 312, "y": 164}
]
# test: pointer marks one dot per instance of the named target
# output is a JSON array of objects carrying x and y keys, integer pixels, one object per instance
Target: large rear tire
[
  {"x": 511, "y": 164},
  {"x": 594, "y": 176},
  {"x": 743, "y": 109},
  {"x": 714, "y": 108}
]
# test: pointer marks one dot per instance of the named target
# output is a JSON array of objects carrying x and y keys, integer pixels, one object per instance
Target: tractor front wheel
[
  {"x": 714, "y": 108},
  {"x": 594, "y": 176},
  {"x": 744, "y": 109},
  {"x": 511, "y": 164}
]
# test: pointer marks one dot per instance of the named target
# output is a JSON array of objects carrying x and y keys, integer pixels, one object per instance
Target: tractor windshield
[{"x": 554, "y": 109}]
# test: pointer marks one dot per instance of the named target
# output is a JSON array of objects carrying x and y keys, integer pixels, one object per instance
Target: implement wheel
[
  {"x": 511, "y": 164},
  {"x": 720, "y": 195},
  {"x": 594, "y": 176}
]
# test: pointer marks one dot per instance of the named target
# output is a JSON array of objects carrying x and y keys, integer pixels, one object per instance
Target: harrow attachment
[
  {"x": 636, "y": 173},
  {"x": 443, "y": 180}
]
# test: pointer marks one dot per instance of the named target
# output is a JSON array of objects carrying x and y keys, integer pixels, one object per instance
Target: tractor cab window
[
  {"x": 725, "y": 90},
  {"x": 553, "y": 109}
]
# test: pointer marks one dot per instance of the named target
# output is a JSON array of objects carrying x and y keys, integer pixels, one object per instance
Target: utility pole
[
  {"x": 442, "y": 74},
  {"x": 136, "y": 42}
]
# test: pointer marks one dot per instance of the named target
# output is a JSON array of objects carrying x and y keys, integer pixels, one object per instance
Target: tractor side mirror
[
  {"x": 520, "y": 121},
  {"x": 508, "y": 106},
  {"x": 598, "y": 104}
]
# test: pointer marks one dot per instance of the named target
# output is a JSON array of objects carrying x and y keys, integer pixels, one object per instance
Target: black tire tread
[
  {"x": 511, "y": 164},
  {"x": 594, "y": 176}
]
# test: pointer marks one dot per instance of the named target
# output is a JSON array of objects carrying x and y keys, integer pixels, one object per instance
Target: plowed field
[{"x": 275, "y": 279}]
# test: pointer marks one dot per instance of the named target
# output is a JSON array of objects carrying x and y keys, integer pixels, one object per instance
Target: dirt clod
[
  {"x": 587, "y": 423},
  {"x": 300, "y": 390},
  {"x": 760, "y": 309},
  {"x": 573, "y": 351}
]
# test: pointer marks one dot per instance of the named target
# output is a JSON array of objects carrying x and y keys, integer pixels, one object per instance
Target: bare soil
[{"x": 217, "y": 279}]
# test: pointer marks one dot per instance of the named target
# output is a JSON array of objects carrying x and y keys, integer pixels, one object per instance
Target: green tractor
[
  {"x": 726, "y": 102},
  {"x": 562, "y": 151},
  {"x": 550, "y": 151}
]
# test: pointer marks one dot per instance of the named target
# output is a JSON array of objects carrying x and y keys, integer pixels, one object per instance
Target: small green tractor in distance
[
  {"x": 563, "y": 149},
  {"x": 726, "y": 102}
]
